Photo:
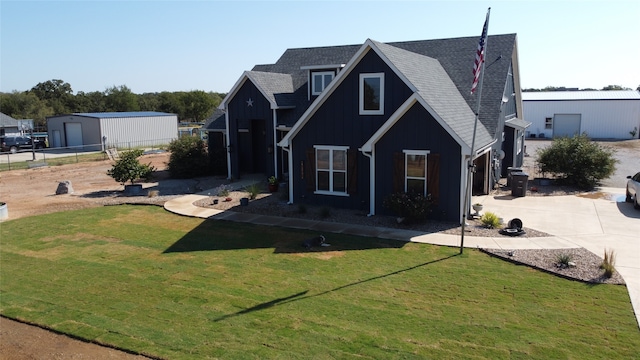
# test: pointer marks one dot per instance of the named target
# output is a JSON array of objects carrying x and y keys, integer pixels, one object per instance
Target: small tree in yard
[
  {"x": 577, "y": 161},
  {"x": 189, "y": 158},
  {"x": 128, "y": 168}
]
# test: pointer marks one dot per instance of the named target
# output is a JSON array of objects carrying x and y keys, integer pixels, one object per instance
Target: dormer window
[
  {"x": 372, "y": 94},
  {"x": 320, "y": 80}
]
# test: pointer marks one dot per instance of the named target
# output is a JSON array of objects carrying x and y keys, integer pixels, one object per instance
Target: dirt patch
[{"x": 20, "y": 341}]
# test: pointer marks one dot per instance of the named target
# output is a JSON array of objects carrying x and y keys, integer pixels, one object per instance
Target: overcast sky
[{"x": 153, "y": 46}]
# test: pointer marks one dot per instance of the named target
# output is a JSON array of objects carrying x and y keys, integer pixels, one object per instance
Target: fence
[{"x": 29, "y": 158}]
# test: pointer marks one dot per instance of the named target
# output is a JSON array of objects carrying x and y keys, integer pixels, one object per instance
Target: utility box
[
  {"x": 510, "y": 171},
  {"x": 519, "y": 182}
]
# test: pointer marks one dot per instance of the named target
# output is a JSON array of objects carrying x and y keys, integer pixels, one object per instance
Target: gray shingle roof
[
  {"x": 276, "y": 87},
  {"x": 216, "y": 121},
  {"x": 455, "y": 56},
  {"x": 7, "y": 121}
]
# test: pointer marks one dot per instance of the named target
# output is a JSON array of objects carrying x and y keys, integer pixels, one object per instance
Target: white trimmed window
[
  {"x": 372, "y": 94},
  {"x": 331, "y": 170},
  {"x": 320, "y": 80},
  {"x": 415, "y": 165}
]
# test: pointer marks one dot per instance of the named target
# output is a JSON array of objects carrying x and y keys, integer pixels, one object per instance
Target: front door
[{"x": 259, "y": 146}]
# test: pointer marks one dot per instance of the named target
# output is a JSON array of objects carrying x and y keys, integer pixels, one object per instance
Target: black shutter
[
  {"x": 433, "y": 176},
  {"x": 352, "y": 171},
  {"x": 398, "y": 172},
  {"x": 310, "y": 170}
]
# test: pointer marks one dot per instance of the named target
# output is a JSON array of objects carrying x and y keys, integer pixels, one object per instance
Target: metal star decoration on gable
[{"x": 249, "y": 103}]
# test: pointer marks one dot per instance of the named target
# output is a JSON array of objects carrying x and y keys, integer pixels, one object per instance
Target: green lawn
[{"x": 148, "y": 281}]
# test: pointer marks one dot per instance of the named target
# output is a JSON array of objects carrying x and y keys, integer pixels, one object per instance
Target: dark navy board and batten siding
[
  {"x": 418, "y": 130},
  {"x": 250, "y": 148},
  {"x": 337, "y": 122}
]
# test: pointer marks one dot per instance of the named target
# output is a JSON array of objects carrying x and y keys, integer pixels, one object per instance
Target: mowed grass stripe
[{"x": 142, "y": 279}]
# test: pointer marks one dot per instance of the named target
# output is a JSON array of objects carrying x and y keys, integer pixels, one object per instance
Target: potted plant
[
  {"x": 273, "y": 184},
  {"x": 477, "y": 207},
  {"x": 128, "y": 168}
]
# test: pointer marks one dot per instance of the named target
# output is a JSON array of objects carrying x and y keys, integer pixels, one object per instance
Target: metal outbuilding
[
  {"x": 600, "y": 114},
  {"x": 97, "y": 131}
]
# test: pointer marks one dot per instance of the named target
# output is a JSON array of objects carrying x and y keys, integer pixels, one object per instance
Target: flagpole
[{"x": 467, "y": 196}]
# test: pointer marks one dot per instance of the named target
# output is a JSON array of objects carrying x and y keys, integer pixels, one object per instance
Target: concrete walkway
[{"x": 595, "y": 223}]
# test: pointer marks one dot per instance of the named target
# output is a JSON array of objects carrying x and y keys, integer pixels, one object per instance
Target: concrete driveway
[{"x": 596, "y": 222}]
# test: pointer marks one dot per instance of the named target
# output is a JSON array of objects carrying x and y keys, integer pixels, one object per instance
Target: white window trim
[
  {"x": 361, "y": 95},
  {"x": 322, "y": 74},
  {"x": 425, "y": 153},
  {"x": 332, "y": 148}
]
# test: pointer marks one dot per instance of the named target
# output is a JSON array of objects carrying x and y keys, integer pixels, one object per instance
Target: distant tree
[
  {"x": 169, "y": 102},
  {"x": 52, "y": 89},
  {"x": 577, "y": 161},
  {"x": 121, "y": 98},
  {"x": 90, "y": 102},
  {"x": 149, "y": 102},
  {"x": 197, "y": 105},
  {"x": 614, "y": 87},
  {"x": 638, "y": 88},
  {"x": 26, "y": 105},
  {"x": 56, "y": 93}
]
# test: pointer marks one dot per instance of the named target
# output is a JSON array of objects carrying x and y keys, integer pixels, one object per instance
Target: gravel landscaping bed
[{"x": 587, "y": 264}]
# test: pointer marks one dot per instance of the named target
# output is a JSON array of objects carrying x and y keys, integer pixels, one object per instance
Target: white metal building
[
  {"x": 95, "y": 131},
  {"x": 600, "y": 114}
]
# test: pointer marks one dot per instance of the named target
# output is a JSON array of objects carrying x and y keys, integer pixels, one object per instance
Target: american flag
[{"x": 477, "y": 66}]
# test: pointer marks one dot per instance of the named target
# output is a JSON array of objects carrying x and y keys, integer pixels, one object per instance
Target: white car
[{"x": 633, "y": 189}]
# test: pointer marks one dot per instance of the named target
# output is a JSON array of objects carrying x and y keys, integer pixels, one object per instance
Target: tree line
[
  {"x": 562, "y": 88},
  {"x": 56, "y": 97}
]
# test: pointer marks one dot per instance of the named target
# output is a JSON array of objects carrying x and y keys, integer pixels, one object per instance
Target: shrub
[
  {"x": 490, "y": 220},
  {"x": 223, "y": 190},
  {"x": 577, "y": 161},
  {"x": 411, "y": 206},
  {"x": 189, "y": 158},
  {"x": 609, "y": 262},
  {"x": 563, "y": 260},
  {"x": 253, "y": 190},
  {"x": 128, "y": 168}
]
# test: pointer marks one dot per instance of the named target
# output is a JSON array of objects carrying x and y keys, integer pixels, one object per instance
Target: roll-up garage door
[
  {"x": 566, "y": 125},
  {"x": 73, "y": 134}
]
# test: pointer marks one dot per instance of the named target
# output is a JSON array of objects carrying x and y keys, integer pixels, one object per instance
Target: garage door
[
  {"x": 73, "y": 134},
  {"x": 566, "y": 125}
]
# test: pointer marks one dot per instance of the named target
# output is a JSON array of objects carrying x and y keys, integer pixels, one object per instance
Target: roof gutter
[{"x": 372, "y": 180}]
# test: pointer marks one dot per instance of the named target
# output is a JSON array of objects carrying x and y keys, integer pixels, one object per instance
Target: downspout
[
  {"x": 226, "y": 121},
  {"x": 275, "y": 147},
  {"x": 290, "y": 180},
  {"x": 372, "y": 180}
]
